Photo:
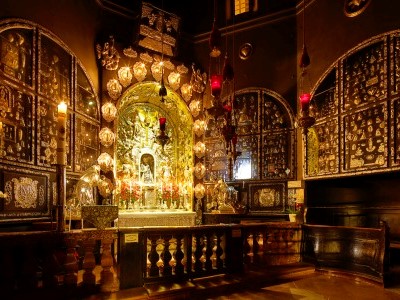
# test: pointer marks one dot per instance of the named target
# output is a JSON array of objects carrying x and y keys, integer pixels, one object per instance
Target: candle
[{"x": 61, "y": 132}]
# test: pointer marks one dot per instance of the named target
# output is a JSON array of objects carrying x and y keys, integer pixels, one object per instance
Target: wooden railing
[
  {"x": 182, "y": 253},
  {"x": 88, "y": 261},
  {"x": 363, "y": 252},
  {"x": 76, "y": 261}
]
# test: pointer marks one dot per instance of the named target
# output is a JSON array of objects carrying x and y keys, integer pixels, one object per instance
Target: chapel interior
[{"x": 168, "y": 149}]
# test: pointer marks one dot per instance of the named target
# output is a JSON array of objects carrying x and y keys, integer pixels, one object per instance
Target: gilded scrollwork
[
  {"x": 25, "y": 191},
  {"x": 108, "y": 54}
]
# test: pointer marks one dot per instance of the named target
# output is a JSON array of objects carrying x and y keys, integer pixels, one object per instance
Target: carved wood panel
[{"x": 27, "y": 195}]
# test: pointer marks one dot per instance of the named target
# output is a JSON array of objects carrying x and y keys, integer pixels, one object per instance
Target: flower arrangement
[
  {"x": 130, "y": 191},
  {"x": 170, "y": 192}
]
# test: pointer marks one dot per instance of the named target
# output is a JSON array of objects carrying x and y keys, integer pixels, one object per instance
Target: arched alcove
[{"x": 152, "y": 176}]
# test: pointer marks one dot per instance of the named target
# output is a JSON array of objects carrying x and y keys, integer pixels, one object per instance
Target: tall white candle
[{"x": 61, "y": 132}]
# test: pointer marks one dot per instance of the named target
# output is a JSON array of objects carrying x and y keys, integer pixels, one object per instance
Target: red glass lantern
[
  {"x": 216, "y": 85},
  {"x": 305, "y": 101},
  {"x": 162, "y": 123}
]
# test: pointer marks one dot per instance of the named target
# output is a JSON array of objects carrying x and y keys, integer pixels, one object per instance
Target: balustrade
[
  {"x": 84, "y": 259},
  {"x": 34, "y": 261}
]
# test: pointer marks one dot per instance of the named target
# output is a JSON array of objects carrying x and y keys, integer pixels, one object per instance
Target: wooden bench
[{"x": 355, "y": 251}]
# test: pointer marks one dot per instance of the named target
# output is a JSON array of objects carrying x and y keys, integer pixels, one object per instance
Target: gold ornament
[
  {"x": 109, "y": 111},
  {"x": 186, "y": 91},
  {"x": 194, "y": 108},
  {"x": 199, "y": 149},
  {"x": 139, "y": 71},
  {"x": 199, "y": 127},
  {"x": 199, "y": 170},
  {"x": 157, "y": 70},
  {"x": 106, "y": 162},
  {"x": 125, "y": 76},
  {"x": 114, "y": 88},
  {"x": 174, "y": 80},
  {"x": 107, "y": 137},
  {"x": 199, "y": 191}
]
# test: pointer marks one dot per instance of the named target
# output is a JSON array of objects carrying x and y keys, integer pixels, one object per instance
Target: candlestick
[{"x": 61, "y": 132}]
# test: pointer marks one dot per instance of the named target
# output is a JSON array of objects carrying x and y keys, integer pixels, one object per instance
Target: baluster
[
  {"x": 153, "y": 257},
  {"x": 248, "y": 248},
  {"x": 89, "y": 262},
  {"x": 179, "y": 255},
  {"x": 198, "y": 253},
  {"x": 71, "y": 263},
  {"x": 219, "y": 251},
  {"x": 256, "y": 247},
  {"x": 106, "y": 276},
  {"x": 209, "y": 251},
  {"x": 166, "y": 256}
]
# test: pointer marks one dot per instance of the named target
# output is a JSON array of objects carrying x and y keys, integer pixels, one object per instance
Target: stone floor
[{"x": 286, "y": 282}]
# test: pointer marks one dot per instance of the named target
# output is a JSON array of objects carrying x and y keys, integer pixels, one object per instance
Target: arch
[
  {"x": 357, "y": 112},
  {"x": 137, "y": 130}
]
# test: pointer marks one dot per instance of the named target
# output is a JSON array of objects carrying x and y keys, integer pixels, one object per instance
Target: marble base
[{"x": 141, "y": 219}]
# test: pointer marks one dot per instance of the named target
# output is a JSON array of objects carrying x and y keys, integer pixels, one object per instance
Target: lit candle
[{"x": 61, "y": 132}]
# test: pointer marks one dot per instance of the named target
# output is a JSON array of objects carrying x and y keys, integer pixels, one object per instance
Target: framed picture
[{"x": 267, "y": 197}]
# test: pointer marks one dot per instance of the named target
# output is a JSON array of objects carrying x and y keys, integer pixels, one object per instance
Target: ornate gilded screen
[
  {"x": 265, "y": 139},
  {"x": 357, "y": 111},
  {"x": 37, "y": 71}
]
